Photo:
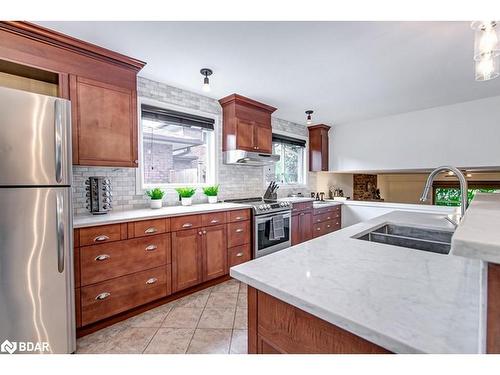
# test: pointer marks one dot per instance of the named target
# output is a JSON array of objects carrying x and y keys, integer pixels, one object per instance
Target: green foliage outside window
[{"x": 445, "y": 196}]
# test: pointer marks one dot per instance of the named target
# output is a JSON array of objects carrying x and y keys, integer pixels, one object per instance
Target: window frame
[
  {"x": 470, "y": 185},
  {"x": 213, "y": 147},
  {"x": 303, "y": 184}
]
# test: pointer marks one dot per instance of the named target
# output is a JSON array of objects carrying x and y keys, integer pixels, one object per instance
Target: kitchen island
[{"x": 339, "y": 294}]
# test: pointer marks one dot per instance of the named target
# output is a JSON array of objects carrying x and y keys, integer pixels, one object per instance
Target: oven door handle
[{"x": 263, "y": 219}]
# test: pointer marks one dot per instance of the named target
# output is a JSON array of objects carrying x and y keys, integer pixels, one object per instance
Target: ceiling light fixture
[
  {"x": 206, "y": 83},
  {"x": 309, "y": 119},
  {"x": 486, "y": 50}
]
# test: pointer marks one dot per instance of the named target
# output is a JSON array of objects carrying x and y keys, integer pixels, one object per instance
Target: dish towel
[{"x": 277, "y": 226}]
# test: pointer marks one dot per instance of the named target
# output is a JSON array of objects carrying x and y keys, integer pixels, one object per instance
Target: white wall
[{"x": 464, "y": 135}]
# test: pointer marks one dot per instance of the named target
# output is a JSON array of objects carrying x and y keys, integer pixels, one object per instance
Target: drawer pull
[
  {"x": 318, "y": 228},
  {"x": 151, "y": 248},
  {"x": 102, "y": 296},
  {"x": 187, "y": 225},
  {"x": 151, "y": 230},
  {"x": 238, "y": 218},
  {"x": 101, "y": 257},
  {"x": 151, "y": 280},
  {"x": 200, "y": 233},
  {"x": 214, "y": 221},
  {"x": 204, "y": 232},
  {"x": 328, "y": 226},
  {"x": 239, "y": 255},
  {"x": 239, "y": 230},
  {"x": 328, "y": 218},
  {"x": 101, "y": 238}
]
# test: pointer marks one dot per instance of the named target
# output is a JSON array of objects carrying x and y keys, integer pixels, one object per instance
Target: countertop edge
[{"x": 129, "y": 216}]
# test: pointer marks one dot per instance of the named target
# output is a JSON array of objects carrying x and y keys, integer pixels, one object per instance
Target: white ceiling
[{"x": 344, "y": 71}]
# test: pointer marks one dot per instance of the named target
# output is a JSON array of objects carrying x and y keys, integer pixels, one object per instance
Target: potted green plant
[
  {"x": 156, "y": 196},
  {"x": 186, "y": 194},
  {"x": 211, "y": 192}
]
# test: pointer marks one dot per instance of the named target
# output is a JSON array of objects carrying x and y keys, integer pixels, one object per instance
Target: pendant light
[
  {"x": 486, "y": 50},
  {"x": 309, "y": 119},
  {"x": 206, "y": 83}
]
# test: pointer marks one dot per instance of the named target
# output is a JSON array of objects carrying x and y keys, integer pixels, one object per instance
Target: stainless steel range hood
[{"x": 254, "y": 159}]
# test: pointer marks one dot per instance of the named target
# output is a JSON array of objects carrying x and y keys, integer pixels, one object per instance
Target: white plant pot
[
  {"x": 212, "y": 199},
  {"x": 156, "y": 203},
  {"x": 187, "y": 201}
]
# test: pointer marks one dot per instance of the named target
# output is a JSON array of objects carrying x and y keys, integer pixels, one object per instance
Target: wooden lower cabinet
[
  {"x": 276, "y": 327},
  {"x": 301, "y": 227},
  {"x": 111, "y": 297},
  {"x": 493, "y": 310},
  {"x": 186, "y": 259},
  {"x": 214, "y": 252}
]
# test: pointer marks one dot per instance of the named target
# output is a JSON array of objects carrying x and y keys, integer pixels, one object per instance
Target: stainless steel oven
[{"x": 263, "y": 244}]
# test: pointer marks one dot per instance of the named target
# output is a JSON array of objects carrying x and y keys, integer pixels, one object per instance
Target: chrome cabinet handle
[
  {"x": 58, "y": 124},
  {"x": 328, "y": 218},
  {"x": 318, "y": 228},
  {"x": 238, "y": 218},
  {"x": 60, "y": 233},
  {"x": 239, "y": 255},
  {"x": 214, "y": 221},
  {"x": 151, "y": 247},
  {"x": 187, "y": 225},
  {"x": 101, "y": 257},
  {"x": 151, "y": 280},
  {"x": 101, "y": 238},
  {"x": 328, "y": 226},
  {"x": 102, "y": 296},
  {"x": 200, "y": 233},
  {"x": 151, "y": 230},
  {"x": 239, "y": 230},
  {"x": 204, "y": 232}
]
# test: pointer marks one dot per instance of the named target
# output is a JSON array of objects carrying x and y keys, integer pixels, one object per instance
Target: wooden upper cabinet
[
  {"x": 105, "y": 122},
  {"x": 100, "y": 83},
  {"x": 246, "y": 124},
  {"x": 318, "y": 148}
]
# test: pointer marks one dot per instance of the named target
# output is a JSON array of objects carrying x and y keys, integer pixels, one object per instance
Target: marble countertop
[
  {"x": 478, "y": 235},
  {"x": 114, "y": 217},
  {"x": 405, "y": 300}
]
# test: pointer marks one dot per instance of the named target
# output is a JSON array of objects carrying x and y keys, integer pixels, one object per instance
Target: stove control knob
[
  {"x": 268, "y": 206},
  {"x": 261, "y": 207}
]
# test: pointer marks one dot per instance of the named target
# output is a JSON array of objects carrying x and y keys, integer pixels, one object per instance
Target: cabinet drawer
[
  {"x": 302, "y": 206},
  {"x": 238, "y": 233},
  {"x": 319, "y": 230},
  {"x": 213, "y": 218},
  {"x": 185, "y": 222},
  {"x": 331, "y": 209},
  {"x": 107, "y": 261},
  {"x": 239, "y": 254},
  {"x": 111, "y": 297},
  {"x": 148, "y": 227},
  {"x": 103, "y": 233},
  {"x": 238, "y": 215},
  {"x": 325, "y": 217}
]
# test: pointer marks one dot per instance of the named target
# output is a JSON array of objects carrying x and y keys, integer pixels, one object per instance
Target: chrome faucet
[{"x": 463, "y": 187}]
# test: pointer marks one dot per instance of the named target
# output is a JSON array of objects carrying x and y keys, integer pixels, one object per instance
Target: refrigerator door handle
[
  {"x": 58, "y": 123},
  {"x": 60, "y": 233}
]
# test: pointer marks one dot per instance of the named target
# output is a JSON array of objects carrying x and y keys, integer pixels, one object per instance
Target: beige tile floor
[{"x": 213, "y": 320}]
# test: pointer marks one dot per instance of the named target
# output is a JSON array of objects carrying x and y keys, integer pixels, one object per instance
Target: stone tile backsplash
[{"x": 235, "y": 181}]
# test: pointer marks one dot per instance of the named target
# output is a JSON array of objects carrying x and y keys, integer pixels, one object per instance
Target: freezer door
[
  {"x": 35, "y": 139},
  {"x": 36, "y": 270}
]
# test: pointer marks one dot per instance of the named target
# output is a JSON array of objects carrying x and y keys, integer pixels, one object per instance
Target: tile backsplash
[{"x": 235, "y": 181}]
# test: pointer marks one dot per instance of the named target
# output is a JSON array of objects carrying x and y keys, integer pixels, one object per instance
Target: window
[
  {"x": 291, "y": 167},
  {"x": 448, "y": 193},
  {"x": 177, "y": 148}
]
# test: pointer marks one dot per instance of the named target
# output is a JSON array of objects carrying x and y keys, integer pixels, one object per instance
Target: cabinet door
[
  {"x": 245, "y": 135},
  {"x": 186, "y": 259},
  {"x": 263, "y": 139},
  {"x": 296, "y": 235},
  {"x": 105, "y": 121},
  {"x": 306, "y": 224},
  {"x": 214, "y": 252}
]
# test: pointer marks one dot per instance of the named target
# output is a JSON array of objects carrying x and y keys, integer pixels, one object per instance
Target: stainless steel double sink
[{"x": 418, "y": 238}]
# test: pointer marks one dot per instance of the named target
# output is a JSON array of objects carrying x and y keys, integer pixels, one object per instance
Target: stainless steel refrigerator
[{"x": 36, "y": 257}]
